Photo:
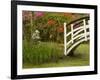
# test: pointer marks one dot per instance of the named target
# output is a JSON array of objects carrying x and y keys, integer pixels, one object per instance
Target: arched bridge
[{"x": 75, "y": 33}]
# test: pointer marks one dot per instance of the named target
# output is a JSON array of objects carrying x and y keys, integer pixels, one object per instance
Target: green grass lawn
[{"x": 47, "y": 54}]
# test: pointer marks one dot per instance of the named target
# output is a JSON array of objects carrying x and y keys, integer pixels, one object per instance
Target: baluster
[
  {"x": 85, "y": 33},
  {"x": 65, "y": 39},
  {"x": 72, "y": 33}
]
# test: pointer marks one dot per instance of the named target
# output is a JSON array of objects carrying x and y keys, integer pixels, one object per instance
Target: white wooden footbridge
[{"x": 75, "y": 33}]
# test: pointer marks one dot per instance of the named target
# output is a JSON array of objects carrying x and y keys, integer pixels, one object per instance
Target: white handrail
[
  {"x": 81, "y": 27},
  {"x": 77, "y": 37},
  {"x": 85, "y": 35},
  {"x": 68, "y": 33},
  {"x": 80, "y": 30},
  {"x": 69, "y": 42},
  {"x": 77, "y": 29}
]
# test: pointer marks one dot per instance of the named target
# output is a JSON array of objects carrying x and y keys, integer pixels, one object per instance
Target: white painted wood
[
  {"x": 80, "y": 30},
  {"x": 81, "y": 27},
  {"x": 84, "y": 23},
  {"x": 68, "y": 33},
  {"x": 77, "y": 29},
  {"x": 75, "y": 35},
  {"x": 69, "y": 42},
  {"x": 65, "y": 39},
  {"x": 81, "y": 35},
  {"x": 72, "y": 33},
  {"x": 78, "y": 36},
  {"x": 75, "y": 45},
  {"x": 84, "y": 36}
]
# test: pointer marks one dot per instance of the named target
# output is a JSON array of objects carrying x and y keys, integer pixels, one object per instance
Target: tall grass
[
  {"x": 42, "y": 52},
  {"x": 81, "y": 57}
]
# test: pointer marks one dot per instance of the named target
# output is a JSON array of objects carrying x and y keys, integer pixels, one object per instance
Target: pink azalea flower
[{"x": 38, "y": 14}]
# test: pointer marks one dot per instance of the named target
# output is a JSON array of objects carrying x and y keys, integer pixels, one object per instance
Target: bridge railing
[{"x": 79, "y": 32}]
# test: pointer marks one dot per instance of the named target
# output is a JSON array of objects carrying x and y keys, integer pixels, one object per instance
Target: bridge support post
[
  {"x": 72, "y": 32},
  {"x": 65, "y": 40},
  {"x": 85, "y": 33}
]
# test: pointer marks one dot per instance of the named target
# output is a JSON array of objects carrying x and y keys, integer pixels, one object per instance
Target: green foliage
[
  {"x": 80, "y": 58},
  {"x": 27, "y": 32},
  {"x": 41, "y": 53}
]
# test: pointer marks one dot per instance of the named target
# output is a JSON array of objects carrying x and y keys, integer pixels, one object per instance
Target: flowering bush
[
  {"x": 50, "y": 24},
  {"x": 38, "y": 14},
  {"x": 60, "y": 29}
]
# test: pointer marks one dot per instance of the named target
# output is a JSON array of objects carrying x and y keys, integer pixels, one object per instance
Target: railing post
[
  {"x": 84, "y": 24},
  {"x": 65, "y": 40},
  {"x": 72, "y": 32}
]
